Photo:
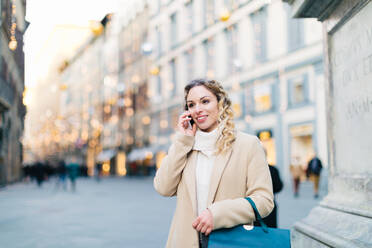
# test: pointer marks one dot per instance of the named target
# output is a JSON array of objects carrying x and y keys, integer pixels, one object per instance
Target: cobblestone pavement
[{"x": 115, "y": 212}]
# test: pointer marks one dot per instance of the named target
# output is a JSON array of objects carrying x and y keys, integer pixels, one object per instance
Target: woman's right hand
[{"x": 184, "y": 124}]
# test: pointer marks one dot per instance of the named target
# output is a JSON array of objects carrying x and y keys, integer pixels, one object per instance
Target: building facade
[
  {"x": 12, "y": 109},
  {"x": 270, "y": 63},
  {"x": 88, "y": 84}
]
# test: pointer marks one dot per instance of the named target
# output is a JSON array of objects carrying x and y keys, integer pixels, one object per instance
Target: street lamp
[{"x": 225, "y": 14}]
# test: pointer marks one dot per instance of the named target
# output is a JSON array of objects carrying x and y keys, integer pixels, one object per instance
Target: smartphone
[{"x": 191, "y": 121}]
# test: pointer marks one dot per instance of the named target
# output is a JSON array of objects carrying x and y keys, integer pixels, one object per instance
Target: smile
[{"x": 201, "y": 118}]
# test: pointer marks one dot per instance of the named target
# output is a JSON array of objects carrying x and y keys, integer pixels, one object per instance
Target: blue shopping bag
[{"x": 250, "y": 236}]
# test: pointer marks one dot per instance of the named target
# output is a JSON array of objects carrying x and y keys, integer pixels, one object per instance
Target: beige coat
[{"x": 240, "y": 172}]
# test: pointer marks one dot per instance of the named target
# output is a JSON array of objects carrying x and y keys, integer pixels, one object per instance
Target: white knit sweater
[{"x": 205, "y": 143}]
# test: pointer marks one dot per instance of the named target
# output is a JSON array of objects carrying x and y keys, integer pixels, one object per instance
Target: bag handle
[{"x": 257, "y": 214}]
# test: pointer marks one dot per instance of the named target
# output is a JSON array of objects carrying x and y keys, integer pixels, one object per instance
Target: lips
[{"x": 201, "y": 119}]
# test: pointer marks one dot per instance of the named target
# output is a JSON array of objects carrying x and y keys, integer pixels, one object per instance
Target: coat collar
[
  {"x": 218, "y": 168},
  {"x": 217, "y": 171}
]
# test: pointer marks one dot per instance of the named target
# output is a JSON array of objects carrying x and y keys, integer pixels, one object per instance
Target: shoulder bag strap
[{"x": 258, "y": 216}]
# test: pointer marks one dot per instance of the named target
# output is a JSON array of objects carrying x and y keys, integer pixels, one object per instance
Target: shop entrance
[{"x": 301, "y": 143}]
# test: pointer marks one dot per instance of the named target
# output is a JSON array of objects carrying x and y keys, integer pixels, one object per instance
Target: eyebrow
[{"x": 201, "y": 98}]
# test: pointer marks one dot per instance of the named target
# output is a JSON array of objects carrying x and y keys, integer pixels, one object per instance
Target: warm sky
[{"x": 50, "y": 36}]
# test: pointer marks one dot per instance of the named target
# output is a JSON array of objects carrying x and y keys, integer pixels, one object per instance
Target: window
[
  {"x": 189, "y": 58},
  {"x": 231, "y": 4},
  {"x": 259, "y": 30},
  {"x": 298, "y": 90},
  {"x": 295, "y": 31},
  {"x": 173, "y": 35},
  {"x": 159, "y": 6},
  {"x": 209, "y": 57},
  {"x": 232, "y": 51},
  {"x": 190, "y": 17},
  {"x": 173, "y": 77},
  {"x": 236, "y": 104},
  {"x": 208, "y": 12},
  {"x": 260, "y": 98},
  {"x": 159, "y": 83},
  {"x": 159, "y": 39}
]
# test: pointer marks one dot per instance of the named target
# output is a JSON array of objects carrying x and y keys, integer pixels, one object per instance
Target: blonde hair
[{"x": 225, "y": 113}]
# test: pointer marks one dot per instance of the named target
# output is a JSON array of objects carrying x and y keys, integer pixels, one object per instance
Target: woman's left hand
[{"x": 204, "y": 222}]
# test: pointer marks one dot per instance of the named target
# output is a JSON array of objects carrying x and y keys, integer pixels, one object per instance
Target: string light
[{"x": 13, "y": 42}]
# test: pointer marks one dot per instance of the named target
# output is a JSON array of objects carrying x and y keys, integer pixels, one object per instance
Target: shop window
[
  {"x": 268, "y": 142},
  {"x": 301, "y": 142}
]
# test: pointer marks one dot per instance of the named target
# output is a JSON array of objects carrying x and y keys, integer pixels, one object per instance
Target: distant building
[
  {"x": 270, "y": 63},
  {"x": 12, "y": 109},
  {"x": 88, "y": 82},
  {"x": 134, "y": 67}
]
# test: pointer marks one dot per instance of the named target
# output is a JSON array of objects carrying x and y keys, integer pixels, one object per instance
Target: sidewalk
[{"x": 116, "y": 212}]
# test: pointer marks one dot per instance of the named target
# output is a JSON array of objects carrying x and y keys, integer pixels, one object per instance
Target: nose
[{"x": 198, "y": 108}]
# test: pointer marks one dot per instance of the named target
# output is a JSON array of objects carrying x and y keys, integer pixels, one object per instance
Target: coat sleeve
[
  {"x": 231, "y": 212},
  {"x": 169, "y": 174}
]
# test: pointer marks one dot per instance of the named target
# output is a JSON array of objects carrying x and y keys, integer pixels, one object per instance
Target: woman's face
[{"x": 203, "y": 107}]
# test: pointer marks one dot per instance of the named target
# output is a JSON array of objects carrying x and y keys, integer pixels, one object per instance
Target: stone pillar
[{"x": 344, "y": 217}]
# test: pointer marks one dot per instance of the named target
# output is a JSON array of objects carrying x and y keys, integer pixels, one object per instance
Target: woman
[{"x": 211, "y": 168}]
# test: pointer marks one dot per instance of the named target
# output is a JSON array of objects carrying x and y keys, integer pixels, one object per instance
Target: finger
[
  {"x": 194, "y": 128},
  {"x": 186, "y": 113},
  {"x": 200, "y": 226},
  {"x": 209, "y": 230},
  {"x": 195, "y": 223},
  {"x": 204, "y": 229}
]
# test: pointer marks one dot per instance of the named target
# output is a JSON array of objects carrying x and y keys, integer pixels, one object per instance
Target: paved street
[{"x": 115, "y": 212}]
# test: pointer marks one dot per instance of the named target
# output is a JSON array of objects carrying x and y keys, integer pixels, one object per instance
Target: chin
[{"x": 204, "y": 128}]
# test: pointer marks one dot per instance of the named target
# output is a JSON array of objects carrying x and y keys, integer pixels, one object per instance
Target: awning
[
  {"x": 106, "y": 155},
  {"x": 141, "y": 153}
]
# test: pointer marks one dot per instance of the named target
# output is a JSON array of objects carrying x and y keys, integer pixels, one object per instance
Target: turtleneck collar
[{"x": 206, "y": 141}]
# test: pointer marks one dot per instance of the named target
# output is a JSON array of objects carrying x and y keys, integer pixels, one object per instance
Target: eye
[
  {"x": 205, "y": 101},
  {"x": 190, "y": 105}
]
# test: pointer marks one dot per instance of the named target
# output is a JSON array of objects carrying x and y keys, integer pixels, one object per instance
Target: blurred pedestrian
[
  {"x": 98, "y": 171},
  {"x": 62, "y": 171},
  {"x": 73, "y": 172},
  {"x": 211, "y": 168},
  {"x": 271, "y": 220},
  {"x": 297, "y": 172},
  {"x": 39, "y": 173},
  {"x": 314, "y": 168}
]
